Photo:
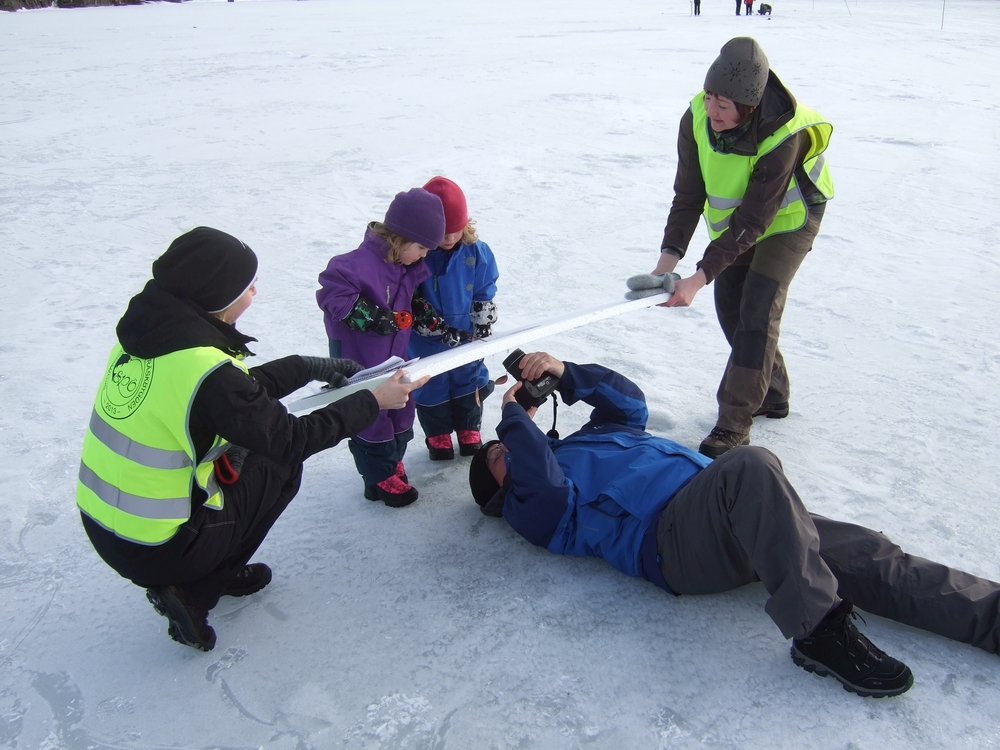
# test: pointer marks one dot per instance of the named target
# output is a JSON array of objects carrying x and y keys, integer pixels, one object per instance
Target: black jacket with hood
[{"x": 242, "y": 408}]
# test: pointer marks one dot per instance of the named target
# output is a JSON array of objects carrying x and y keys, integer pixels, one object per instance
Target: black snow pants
[
  {"x": 213, "y": 546},
  {"x": 740, "y": 520}
]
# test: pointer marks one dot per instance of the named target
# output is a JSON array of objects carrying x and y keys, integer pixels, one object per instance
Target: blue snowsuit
[
  {"x": 600, "y": 491},
  {"x": 459, "y": 277}
]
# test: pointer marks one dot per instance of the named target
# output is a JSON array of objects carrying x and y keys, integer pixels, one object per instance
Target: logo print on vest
[{"x": 126, "y": 386}]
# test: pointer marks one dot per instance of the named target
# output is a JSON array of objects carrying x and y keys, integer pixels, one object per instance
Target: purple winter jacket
[{"x": 366, "y": 272}]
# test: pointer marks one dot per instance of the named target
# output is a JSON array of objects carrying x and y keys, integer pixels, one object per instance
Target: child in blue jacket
[{"x": 453, "y": 306}]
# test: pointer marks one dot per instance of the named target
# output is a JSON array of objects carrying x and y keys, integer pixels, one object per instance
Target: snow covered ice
[{"x": 291, "y": 125}]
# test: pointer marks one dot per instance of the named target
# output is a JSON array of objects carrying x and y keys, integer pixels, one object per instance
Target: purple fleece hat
[{"x": 418, "y": 216}]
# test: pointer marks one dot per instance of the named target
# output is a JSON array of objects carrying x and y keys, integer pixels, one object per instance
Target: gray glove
[
  {"x": 229, "y": 465},
  {"x": 649, "y": 285},
  {"x": 334, "y": 372},
  {"x": 237, "y": 455}
]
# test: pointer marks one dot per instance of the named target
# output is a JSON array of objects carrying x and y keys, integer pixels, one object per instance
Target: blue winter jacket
[
  {"x": 459, "y": 277},
  {"x": 598, "y": 492}
]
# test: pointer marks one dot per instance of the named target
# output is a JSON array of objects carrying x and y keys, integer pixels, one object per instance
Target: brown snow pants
[
  {"x": 750, "y": 298},
  {"x": 740, "y": 520}
]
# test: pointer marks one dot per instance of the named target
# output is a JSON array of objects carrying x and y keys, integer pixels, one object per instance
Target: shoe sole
[
  {"x": 392, "y": 503},
  {"x": 469, "y": 450},
  {"x": 811, "y": 665},
  {"x": 180, "y": 624},
  {"x": 371, "y": 493}
]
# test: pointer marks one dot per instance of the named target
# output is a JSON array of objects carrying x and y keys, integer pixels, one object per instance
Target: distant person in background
[
  {"x": 366, "y": 296},
  {"x": 190, "y": 458},
  {"x": 750, "y": 158},
  {"x": 738, "y": 4},
  {"x": 453, "y": 306},
  {"x": 749, "y": 4},
  {"x": 697, "y": 7}
]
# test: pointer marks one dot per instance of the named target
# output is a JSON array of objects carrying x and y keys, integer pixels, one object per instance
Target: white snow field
[{"x": 291, "y": 125}]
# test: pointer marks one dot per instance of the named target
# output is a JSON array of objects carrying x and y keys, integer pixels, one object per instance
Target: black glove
[
  {"x": 335, "y": 372},
  {"x": 367, "y": 317},
  {"x": 237, "y": 455},
  {"x": 427, "y": 323},
  {"x": 454, "y": 336},
  {"x": 483, "y": 316}
]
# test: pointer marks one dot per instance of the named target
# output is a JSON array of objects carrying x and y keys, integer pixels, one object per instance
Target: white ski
[{"x": 475, "y": 350}]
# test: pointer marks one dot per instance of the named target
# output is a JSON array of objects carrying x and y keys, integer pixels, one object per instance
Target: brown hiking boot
[
  {"x": 721, "y": 441},
  {"x": 188, "y": 624},
  {"x": 777, "y": 410}
]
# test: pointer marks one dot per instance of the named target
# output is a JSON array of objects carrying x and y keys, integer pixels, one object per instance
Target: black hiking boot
[
  {"x": 777, "y": 410},
  {"x": 721, "y": 441},
  {"x": 251, "y": 579},
  {"x": 837, "y": 648},
  {"x": 188, "y": 624}
]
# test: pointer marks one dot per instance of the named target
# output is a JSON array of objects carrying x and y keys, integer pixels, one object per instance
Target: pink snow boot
[{"x": 469, "y": 441}]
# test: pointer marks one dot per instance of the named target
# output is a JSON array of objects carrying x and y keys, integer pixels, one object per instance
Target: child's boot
[
  {"x": 469, "y": 441},
  {"x": 395, "y": 493},
  {"x": 401, "y": 471},
  {"x": 440, "y": 447}
]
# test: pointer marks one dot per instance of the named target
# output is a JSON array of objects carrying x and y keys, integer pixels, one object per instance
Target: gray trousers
[
  {"x": 750, "y": 298},
  {"x": 740, "y": 520}
]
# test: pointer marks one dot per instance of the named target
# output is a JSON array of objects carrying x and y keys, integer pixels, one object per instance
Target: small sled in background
[{"x": 764, "y": 10}]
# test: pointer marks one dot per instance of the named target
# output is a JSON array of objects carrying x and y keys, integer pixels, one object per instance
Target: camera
[{"x": 533, "y": 392}]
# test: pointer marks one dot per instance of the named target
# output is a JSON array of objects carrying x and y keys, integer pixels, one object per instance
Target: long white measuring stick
[{"x": 475, "y": 350}]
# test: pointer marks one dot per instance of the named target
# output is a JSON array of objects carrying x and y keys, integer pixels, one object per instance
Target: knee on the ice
[{"x": 751, "y": 457}]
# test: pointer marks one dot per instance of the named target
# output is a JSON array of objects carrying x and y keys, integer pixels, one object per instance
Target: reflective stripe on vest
[
  {"x": 727, "y": 176},
  {"x": 138, "y": 471}
]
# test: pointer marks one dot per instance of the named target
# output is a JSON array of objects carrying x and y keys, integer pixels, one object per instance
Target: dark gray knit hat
[
  {"x": 739, "y": 72},
  {"x": 211, "y": 268}
]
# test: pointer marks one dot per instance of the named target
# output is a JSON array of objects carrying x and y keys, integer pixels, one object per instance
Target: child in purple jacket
[{"x": 366, "y": 300}]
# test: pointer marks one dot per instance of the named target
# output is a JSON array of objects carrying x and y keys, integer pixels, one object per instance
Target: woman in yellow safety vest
[
  {"x": 750, "y": 159},
  {"x": 189, "y": 457}
]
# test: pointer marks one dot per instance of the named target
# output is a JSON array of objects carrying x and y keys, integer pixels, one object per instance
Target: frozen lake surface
[{"x": 291, "y": 125}]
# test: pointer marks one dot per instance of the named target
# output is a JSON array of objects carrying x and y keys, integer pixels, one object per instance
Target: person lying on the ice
[{"x": 657, "y": 510}]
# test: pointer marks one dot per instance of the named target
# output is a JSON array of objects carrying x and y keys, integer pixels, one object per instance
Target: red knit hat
[{"x": 456, "y": 212}]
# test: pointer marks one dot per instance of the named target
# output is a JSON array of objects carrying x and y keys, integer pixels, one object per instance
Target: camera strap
[{"x": 553, "y": 433}]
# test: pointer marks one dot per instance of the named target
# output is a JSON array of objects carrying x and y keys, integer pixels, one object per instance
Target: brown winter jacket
[{"x": 764, "y": 194}]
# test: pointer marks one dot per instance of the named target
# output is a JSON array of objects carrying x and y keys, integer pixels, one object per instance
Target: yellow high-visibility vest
[
  {"x": 727, "y": 176},
  {"x": 138, "y": 469}
]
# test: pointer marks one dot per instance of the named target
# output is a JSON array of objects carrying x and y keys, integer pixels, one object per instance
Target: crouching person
[
  {"x": 189, "y": 457},
  {"x": 657, "y": 510}
]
